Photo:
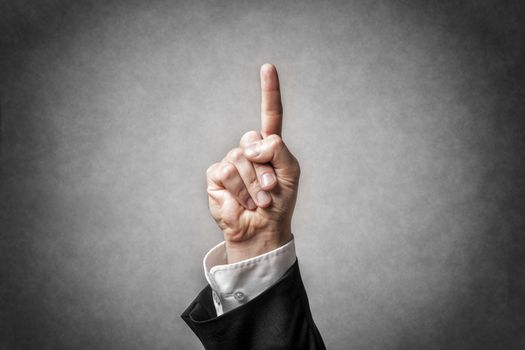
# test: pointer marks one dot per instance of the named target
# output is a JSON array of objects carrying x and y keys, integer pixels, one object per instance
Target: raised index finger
[{"x": 271, "y": 107}]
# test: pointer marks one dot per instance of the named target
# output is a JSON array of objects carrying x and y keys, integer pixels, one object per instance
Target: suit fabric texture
[{"x": 278, "y": 318}]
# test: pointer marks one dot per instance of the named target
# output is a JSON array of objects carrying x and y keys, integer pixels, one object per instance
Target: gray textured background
[{"x": 405, "y": 117}]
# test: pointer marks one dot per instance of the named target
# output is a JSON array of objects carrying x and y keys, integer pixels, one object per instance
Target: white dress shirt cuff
[{"x": 235, "y": 284}]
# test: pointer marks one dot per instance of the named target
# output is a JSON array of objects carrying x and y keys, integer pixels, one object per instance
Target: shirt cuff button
[{"x": 239, "y": 296}]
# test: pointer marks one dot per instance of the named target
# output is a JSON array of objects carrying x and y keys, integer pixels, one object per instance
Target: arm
[{"x": 252, "y": 194}]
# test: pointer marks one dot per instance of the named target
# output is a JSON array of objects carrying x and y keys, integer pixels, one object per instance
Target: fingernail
[
  {"x": 267, "y": 179},
  {"x": 250, "y": 204},
  {"x": 263, "y": 197},
  {"x": 252, "y": 150}
]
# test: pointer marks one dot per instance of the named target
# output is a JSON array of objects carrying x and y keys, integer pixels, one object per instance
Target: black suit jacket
[{"x": 278, "y": 318}]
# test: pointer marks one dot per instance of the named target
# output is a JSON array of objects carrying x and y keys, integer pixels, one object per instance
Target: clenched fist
[{"x": 252, "y": 191}]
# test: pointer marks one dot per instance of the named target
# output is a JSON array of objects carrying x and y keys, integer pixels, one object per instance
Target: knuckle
[
  {"x": 249, "y": 135},
  {"x": 239, "y": 192},
  {"x": 211, "y": 169},
  {"x": 243, "y": 195},
  {"x": 276, "y": 142},
  {"x": 273, "y": 111},
  {"x": 227, "y": 171},
  {"x": 253, "y": 183},
  {"x": 235, "y": 154}
]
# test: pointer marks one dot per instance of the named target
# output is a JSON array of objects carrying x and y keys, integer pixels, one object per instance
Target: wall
[{"x": 405, "y": 118}]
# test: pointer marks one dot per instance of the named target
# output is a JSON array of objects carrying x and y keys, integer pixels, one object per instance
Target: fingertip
[
  {"x": 269, "y": 80},
  {"x": 268, "y": 68},
  {"x": 263, "y": 199},
  {"x": 268, "y": 181}
]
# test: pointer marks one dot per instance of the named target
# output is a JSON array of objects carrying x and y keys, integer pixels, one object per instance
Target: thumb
[{"x": 272, "y": 149}]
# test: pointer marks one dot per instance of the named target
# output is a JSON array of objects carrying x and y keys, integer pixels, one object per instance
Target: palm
[{"x": 240, "y": 224}]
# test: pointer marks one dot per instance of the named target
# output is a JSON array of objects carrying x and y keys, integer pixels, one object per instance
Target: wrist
[{"x": 257, "y": 245}]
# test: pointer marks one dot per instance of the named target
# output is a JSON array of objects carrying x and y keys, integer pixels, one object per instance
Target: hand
[{"x": 252, "y": 191}]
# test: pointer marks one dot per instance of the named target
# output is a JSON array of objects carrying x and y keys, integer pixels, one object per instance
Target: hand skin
[{"x": 255, "y": 215}]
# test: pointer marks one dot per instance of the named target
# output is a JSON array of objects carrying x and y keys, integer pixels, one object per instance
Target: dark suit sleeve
[{"x": 278, "y": 318}]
